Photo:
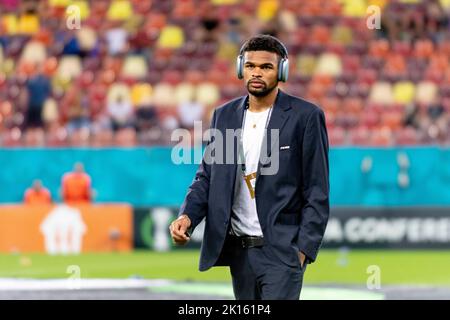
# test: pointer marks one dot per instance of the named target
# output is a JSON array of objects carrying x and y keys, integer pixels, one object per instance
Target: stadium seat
[
  {"x": 425, "y": 92},
  {"x": 33, "y": 52},
  {"x": 434, "y": 74},
  {"x": 288, "y": 20},
  {"x": 404, "y": 92},
  {"x": 336, "y": 136},
  {"x": 351, "y": 64},
  {"x": 395, "y": 65},
  {"x": 142, "y": 7},
  {"x": 342, "y": 34},
  {"x": 83, "y": 7},
  {"x": 6, "y": 109},
  {"x": 329, "y": 64},
  {"x": 164, "y": 95},
  {"x": 141, "y": 93},
  {"x": 439, "y": 61},
  {"x": 367, "y": 76},
  {"x": 423, "y": 48},
  {"x": 10, "y": 23},
  {"x": 207, "y": 93},
  {"x": 331, "y": 104},
  {"x": 125, "y": 137},
  {"x": 79, "y": 137},
  {"x": 306, "y": 64},
  {"x": 359, "y": 136},
  {"x": 11, "y": 138},
  {"x": 185, "y": 91},
  {"x": 102, "y": 138},
  {"x": 392, "y": 119},
  {"x": 59, "y": 3},
  {"x": 370, "y": 119},
  {"x": 135, "y": 67},
  {"x": 407, "y": 136},
  {"x": 315, "y": 91},
  {"x": 120, "y": 10},
  {"x": 171, "y": 37},
  {"x": 320, "y": 34},
  {"x": 50, "y": 66},
  {"x": 352, "y": 105},
  {"x": 155, "y": 22},
  {"x": 34, "y": 137},
  {"x": 402, "y": 48},
  {"x": 379, "y": 48},
  {"x": 354, "y": 8},
  {"x": 382, "y": 137},
  {"x": 172, "y": 77},
  {"x": 87, "y": 38},
  {"x": 381, "y": 93},
  {"x": 28, "y": 24},
  {"x": 184, "y": 9},
  {"x": 267, "y": 9},
  {"x": 69, "y": 67}
]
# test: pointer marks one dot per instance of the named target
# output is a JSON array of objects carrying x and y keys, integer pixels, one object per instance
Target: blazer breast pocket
[{"x": 285, "y": 151}]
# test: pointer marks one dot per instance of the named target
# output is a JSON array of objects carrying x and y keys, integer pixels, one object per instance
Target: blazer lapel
[
  {"x": 277, "y": 120},
  {"x": 234, "y": 124}
]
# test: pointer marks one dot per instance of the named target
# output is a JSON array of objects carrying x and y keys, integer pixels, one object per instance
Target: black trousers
[{"x": 258, "y": 274}]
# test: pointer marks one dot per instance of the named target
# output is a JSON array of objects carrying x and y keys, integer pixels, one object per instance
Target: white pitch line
[{"x": 8, "y": 284}]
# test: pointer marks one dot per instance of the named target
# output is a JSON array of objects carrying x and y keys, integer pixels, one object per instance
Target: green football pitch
[{"x": 427, "y": 267}]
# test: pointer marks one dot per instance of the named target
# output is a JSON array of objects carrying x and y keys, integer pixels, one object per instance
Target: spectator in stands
[
  {"x": 211, "y": 25},
  {"x": 117, "y": 40},
  {"x": 121, "y": 113},
  {"x": 78, "y": 113},
  {"x": 190, "y": 111},
  {"x": 141, "y": 41},
  {"x": 37, "y": 194},
  {"x": 76, "y": 186},
  {"x": 438, "y": 121},
  {"x": 146, "y": 117},
  {"x": 39, "y": 89},
  {"x": 436, "y": 19},
  {"x": 169, "y": 41},
  {"x": 430, "y": 120}
]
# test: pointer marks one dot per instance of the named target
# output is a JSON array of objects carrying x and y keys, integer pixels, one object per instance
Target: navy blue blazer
[{"x": 292, "y": 205}]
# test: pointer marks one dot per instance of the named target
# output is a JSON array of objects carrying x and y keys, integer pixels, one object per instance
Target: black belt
[{"x": 248, "y": 241}]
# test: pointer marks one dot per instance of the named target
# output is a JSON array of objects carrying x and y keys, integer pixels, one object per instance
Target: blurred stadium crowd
[{"x": 135, "y": 70}]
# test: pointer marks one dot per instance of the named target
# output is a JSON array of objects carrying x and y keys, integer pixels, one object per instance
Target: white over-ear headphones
[{"x": 283, "y": 64}]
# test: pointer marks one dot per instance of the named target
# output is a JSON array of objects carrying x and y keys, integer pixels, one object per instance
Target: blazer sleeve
[
  {"x": 315, "y": 191},
  {"x": 195, "y": 204}
]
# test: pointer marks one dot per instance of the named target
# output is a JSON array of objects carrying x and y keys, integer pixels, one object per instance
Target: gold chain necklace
[{"x": 258, "y": 119}]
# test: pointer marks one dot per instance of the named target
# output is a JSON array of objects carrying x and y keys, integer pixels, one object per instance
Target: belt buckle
[{"x": 243, "y": 243}]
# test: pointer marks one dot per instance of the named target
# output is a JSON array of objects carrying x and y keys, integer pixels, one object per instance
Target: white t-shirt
[{"x": 244, "y": 219}]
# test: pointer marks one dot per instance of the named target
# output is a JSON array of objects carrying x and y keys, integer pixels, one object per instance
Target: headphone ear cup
[
  {"x": 283, "y": 70},
  {"x": 239, "y": 67}
]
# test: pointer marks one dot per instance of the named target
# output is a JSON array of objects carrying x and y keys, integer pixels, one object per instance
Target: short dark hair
[{"x": 264, "y": 42}]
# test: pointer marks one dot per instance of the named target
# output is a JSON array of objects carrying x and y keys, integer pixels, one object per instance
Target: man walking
[{"x": 267, "y": 209}]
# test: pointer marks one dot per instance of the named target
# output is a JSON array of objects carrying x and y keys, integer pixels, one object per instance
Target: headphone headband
[
  {"x": 284, "y": 54},
  {"x": 283, "y": 64}
]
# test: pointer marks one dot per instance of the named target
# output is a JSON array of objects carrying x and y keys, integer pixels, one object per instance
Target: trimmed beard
[{"x": 264, "y": 92}]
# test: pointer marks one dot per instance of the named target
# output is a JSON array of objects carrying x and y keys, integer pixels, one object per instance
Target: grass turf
[{"x": 425, "y": 267}]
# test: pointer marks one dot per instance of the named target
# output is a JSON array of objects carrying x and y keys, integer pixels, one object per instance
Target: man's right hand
[{"x": 178, "y": 229}]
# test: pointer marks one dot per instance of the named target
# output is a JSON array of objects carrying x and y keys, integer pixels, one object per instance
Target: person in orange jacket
[
  {"x": 76, "y": 186},
  {"x": 37, "y": 194}
]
